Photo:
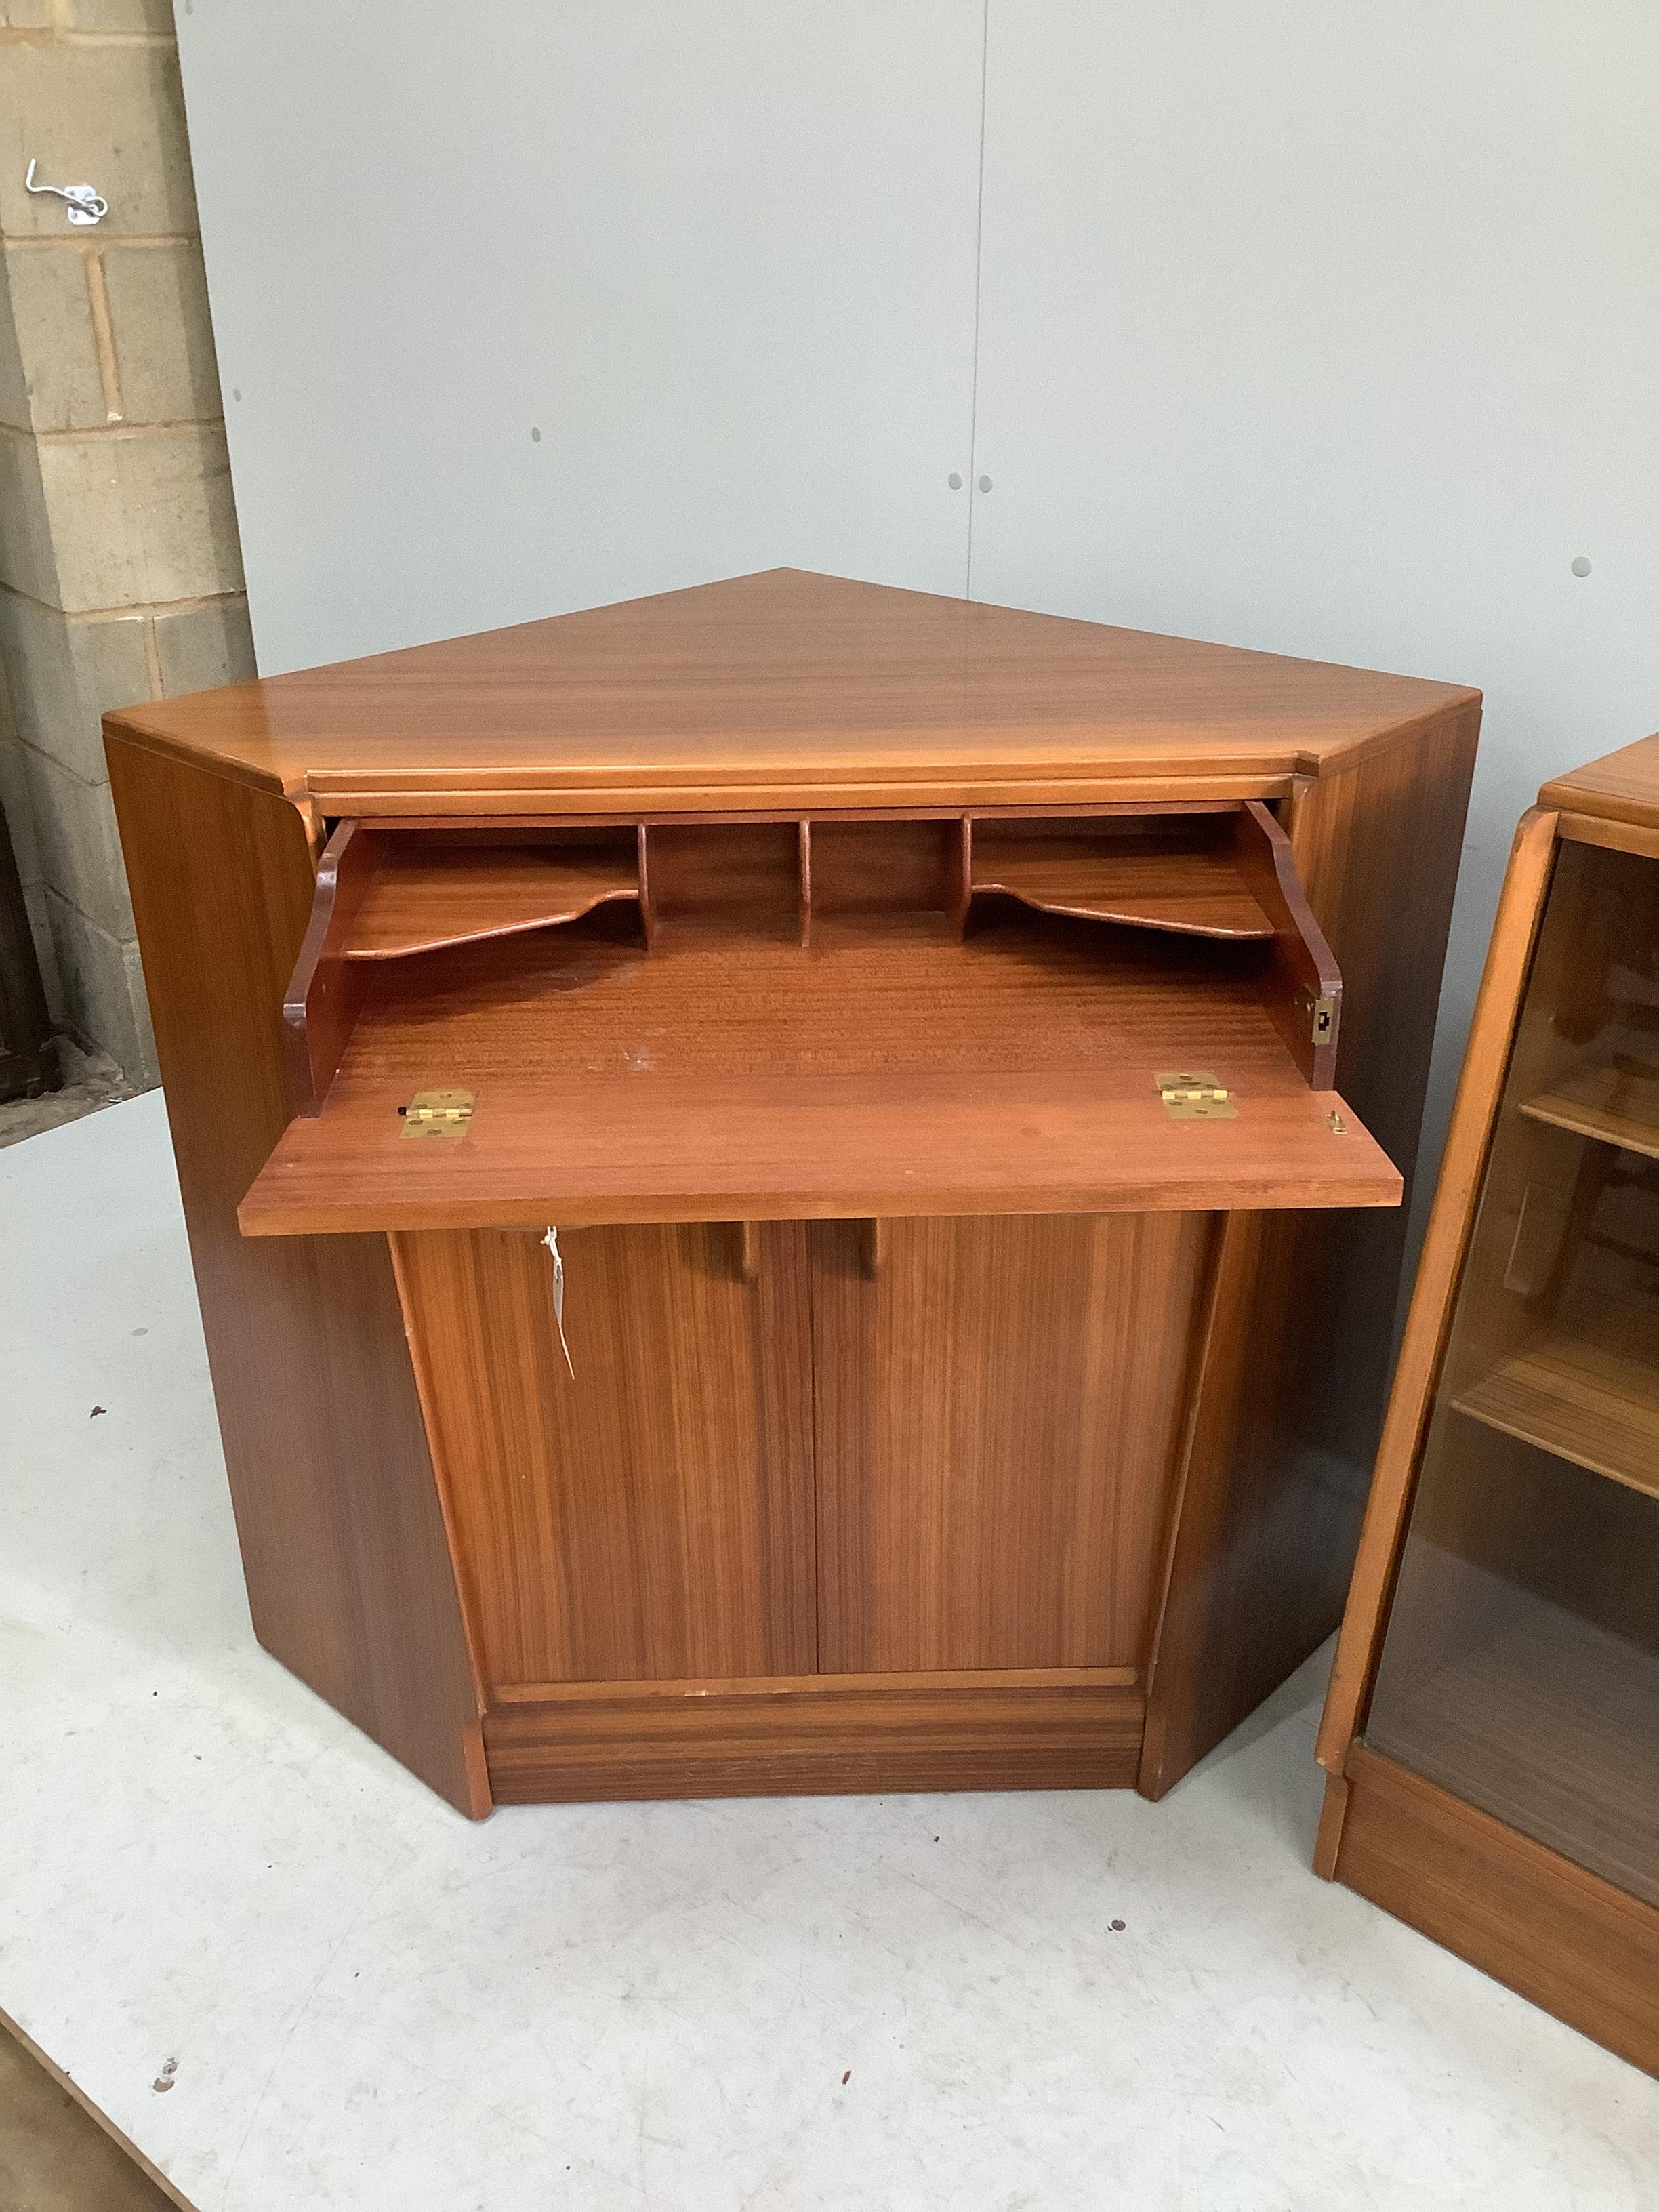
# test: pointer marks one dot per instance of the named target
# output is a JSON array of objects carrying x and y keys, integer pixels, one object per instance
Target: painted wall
[
  {"x": 533, "y": 306},
  {"x": 1330, "y": 330},
  {"x": 1335, "y": 330}
]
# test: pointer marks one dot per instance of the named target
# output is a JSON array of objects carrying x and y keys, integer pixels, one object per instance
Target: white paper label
[{"x": 551, "y": 1241}]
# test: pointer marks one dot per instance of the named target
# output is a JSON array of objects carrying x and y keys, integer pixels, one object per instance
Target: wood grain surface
[
  {"x": 902, "y": 1326},
  {"x": 1302, "y": 974},
  {"x": 1623, "y": 787},
  {"x": 1379, "y": 852},
  {"x": 1157, "y": 874},
  {"x": 1611, "y": 833},
  {"x": 888, "y": 1070},
  {"x": 778, "y": 1150},
  {"x": 1613, "y": 1096},
  {"x": 1295, "y": 1371},
  {"x": 998, "y": 1412},
  {"x": 790, "y": 690},
  {"x": 323, "y": 995},
  {"x": 342, "y": 1539},
  {"x": 885, "y": 869},
  {"x": 828, "y": 1736},
  {"x": 440, "y": 894},
  {"x": 1585, "y": 1388},
  {"x": 650, "y": 1514},
  {"x": 1583, "y": 1949}
]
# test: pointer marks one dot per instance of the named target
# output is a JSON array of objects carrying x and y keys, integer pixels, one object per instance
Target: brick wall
[{"x": 120, "y": 575}]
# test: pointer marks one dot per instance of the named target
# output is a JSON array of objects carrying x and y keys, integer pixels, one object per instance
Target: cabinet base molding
[
  {"x": 1556, "y": 1934},
  {"x": 823, "y": 1735}
]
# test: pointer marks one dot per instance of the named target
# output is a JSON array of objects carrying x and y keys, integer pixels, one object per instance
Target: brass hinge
[
  {"x": 438, "y": 1114},
  {"x": 1197, "y": 1097},
  {"x": 1322, "y": 1016}
]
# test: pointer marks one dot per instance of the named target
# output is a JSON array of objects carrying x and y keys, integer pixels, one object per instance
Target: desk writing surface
[
  {"x": 890, "y": 1070},
  {"x": 788, "y": 687}
]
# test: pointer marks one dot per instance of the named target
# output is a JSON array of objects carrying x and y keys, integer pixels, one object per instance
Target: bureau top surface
[
  {"x": 789, "y": 689},
  {"x": 1619, "y": 787}
]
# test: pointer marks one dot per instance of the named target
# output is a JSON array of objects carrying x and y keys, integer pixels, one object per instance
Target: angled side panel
[
  {"x": 1291, "y": 1392},
  {"x": 349, "y": 1573},
  {"x": 1258, "y": 1539},
  {"x": 1379, "y": 849}
]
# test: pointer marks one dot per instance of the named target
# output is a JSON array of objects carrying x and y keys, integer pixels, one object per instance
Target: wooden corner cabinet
[
  {"x": 794, "y": 1185},
  {"x": 1491, "y": 1735}
]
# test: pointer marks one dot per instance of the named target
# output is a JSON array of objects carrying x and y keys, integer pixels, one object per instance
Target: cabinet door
[
  {"x": 648, "y": 1516},
  {"x": 997, "y": 1409}
]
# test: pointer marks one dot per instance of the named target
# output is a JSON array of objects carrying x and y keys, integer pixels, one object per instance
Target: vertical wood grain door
[
  {"x": 650, "y": 1515},
  {"x": 997, "y": 1409}
]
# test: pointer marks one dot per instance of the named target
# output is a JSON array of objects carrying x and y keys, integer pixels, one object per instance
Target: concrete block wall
[{"x": 120, "y": 573}]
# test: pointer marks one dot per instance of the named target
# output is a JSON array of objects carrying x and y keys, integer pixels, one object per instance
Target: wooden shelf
[
  {"x": 1229, "y": 878},
  {"x": 1195, "y": 893},
  {"x": 888, "y": 1070},
  {"x": 1612, "y": 1097},
  {"x": 1551, "y": 1723},
  {"x": 427, "y": 896},
  {"x": 1586, "y": 1388}
]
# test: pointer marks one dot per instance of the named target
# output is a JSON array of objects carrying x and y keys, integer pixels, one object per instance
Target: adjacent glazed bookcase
[{"x": 1507, "y": 1683}]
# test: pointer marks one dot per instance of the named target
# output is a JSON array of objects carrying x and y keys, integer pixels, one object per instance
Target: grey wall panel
[
  {"x": 718, "y": 253},
  {"x": 1335, "y": 330}
]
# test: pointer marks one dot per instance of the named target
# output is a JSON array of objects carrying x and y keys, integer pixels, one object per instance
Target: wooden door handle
[
  {"x": 748, "y": 1250},
  {"x": 872, "y": 1247}
]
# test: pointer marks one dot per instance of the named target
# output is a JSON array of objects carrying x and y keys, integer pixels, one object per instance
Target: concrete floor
[
  {"x": 958, "y": 2003},
  {"x": 91, "y": 1081}
]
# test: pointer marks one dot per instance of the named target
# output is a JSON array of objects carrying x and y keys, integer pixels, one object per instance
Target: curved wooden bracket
[
  {"x": 1305, "y": 1000},
  {"x": 324, "y": 993}
]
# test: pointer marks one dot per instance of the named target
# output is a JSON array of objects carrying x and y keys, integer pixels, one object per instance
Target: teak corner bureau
[{"x": 970, "y": 1060}]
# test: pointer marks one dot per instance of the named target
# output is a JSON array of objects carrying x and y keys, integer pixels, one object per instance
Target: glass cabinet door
[{"x": 1520, "y": 1665}]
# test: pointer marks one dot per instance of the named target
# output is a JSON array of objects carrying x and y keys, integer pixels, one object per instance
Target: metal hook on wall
[{"x": 85, "y": 205}]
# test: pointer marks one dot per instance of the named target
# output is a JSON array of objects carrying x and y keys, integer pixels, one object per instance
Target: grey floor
[
  {"x": 91, "y": 1081},
  {"x": 360, "y": 1999}
]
